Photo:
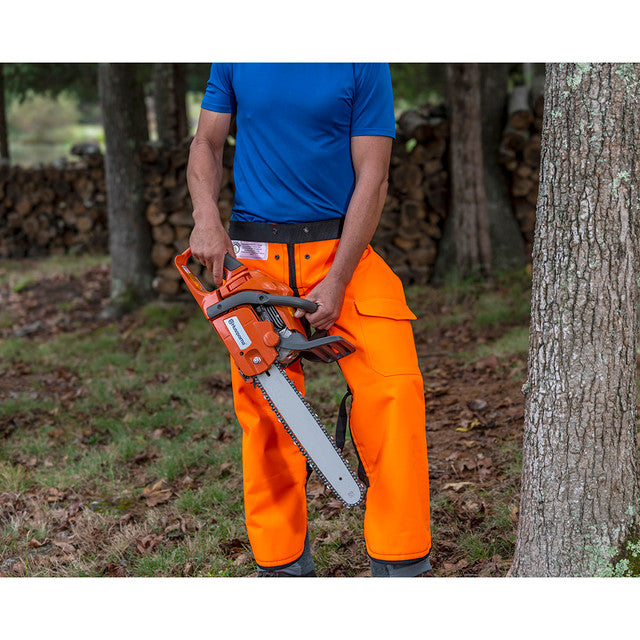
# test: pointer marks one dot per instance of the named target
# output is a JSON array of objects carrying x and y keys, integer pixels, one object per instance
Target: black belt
[{"x": 286, "y": 233}]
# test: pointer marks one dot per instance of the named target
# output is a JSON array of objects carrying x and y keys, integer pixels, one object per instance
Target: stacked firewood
[
  {"x": 520, "y": 153},
  {"x": 169, "y": 209},
  {"x": 54, "y": 209},
  {"x": 417, "y": 202},
  {"x": 61, "y": 208}
]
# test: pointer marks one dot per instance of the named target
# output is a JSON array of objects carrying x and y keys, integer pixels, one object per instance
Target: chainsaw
[{"x": 254, "y": 316}]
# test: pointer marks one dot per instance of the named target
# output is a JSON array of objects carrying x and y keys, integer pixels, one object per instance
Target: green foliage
[
  {"x": 417, "y": 83},
  {"x": 51, "y": 78}
]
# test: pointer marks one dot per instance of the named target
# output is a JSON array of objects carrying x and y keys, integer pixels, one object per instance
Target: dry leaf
[
  {"x": 474, "y": 423},
  {"x": 55, "y": 495},
  {"x": 64, "y": 546},
  {"x": 450, "y": 567},
  {"x": 115, "y": 570},
  {"x": 34, "y": 544},
  {"x": 156, "y": 494},
  {"x": 457, "y": 486},
  {"x": 148, "y": 543},
  {"x": 226, "y": 467},
  {"x": 158, "y": 498}
]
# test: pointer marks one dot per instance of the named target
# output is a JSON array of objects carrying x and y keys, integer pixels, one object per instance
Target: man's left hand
[{"x": 328, "y": 294}]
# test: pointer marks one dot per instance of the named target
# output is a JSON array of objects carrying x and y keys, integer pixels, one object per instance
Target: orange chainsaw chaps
[{"x": 387, "y": 419}]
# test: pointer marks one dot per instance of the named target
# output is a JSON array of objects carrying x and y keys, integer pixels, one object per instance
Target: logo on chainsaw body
[{"x": 237, "y": 332}]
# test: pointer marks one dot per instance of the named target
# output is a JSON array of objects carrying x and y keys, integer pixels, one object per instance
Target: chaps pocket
[{"x": 388, "y": 335}]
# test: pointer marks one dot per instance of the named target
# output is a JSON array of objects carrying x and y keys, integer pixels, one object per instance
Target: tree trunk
[
  {"x": 169, "y": 88},
  {"x": 507, "y": 243},
  {"x": 579, "y": 505},
  {"x": 468, "y": 226},
  {"x": 125, "y": 126},
  {"x": 4, "y": 132}
]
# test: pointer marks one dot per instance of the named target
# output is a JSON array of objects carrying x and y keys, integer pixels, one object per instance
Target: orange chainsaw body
[{"x": 251, "y": 341}]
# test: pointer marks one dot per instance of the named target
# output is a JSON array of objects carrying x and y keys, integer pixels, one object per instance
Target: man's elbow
[{"x": 200, "y": 143}]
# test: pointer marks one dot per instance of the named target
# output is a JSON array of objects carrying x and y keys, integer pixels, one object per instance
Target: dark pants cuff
[{"x": 404, "y": 569}]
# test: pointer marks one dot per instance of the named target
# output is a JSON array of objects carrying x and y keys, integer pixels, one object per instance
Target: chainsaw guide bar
[{"x": 253, "y": 315}]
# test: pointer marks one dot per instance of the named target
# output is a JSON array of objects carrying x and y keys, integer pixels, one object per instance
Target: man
[{"x": 312, "y": 157}]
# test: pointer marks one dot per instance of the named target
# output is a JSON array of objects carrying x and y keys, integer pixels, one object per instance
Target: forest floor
[{"x": 120, "y": 453}]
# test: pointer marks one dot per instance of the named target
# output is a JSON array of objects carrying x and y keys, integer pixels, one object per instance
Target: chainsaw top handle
[{"x": 232, "y": 264}]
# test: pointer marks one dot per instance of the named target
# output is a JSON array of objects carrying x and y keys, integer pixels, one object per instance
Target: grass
[
  {"x": 514, "y": 341},
  {"x": 19, "y": 274},
  {"x": 101, "y": 416},
  {"x": 503, "y": 302}
]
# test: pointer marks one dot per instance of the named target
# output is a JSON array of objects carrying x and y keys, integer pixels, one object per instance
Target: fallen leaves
[
  {"x": 54, "y": 495},
  {"x": 33, "y": 314},
  {"x": 144, "y": 456},
  {"x": 457, "y": 486},
  {"x": 67, "y": 547},
  {"x": 148, "y": 543},
  {"x": 453, "y": 568},
  {"x": 156, "y": 494}
]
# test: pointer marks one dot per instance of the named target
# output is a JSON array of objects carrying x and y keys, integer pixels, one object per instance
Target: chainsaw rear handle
[{"x": 231, "y": 263}]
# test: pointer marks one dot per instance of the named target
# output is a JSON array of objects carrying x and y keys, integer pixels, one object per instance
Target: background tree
[
  {"x": 507, "y": 243},
  {"x": 126, "y": 130},
  {"x": 467, "y": 231},
  {"x": 169, "y": 97},
  {"x": 579, "y": 504},
  {"x": 4, "y": 134}
]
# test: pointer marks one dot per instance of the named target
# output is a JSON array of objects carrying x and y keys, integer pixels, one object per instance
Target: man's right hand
[{"x": 209, "y": 243}]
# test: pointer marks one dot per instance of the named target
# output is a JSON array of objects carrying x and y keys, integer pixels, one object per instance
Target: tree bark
[
  {"x": 4, "y": 131},
  {"x": 467, "y": 230},
  {"x": 579, "y": 503},
  {"x": 125, "y": 126},
  {"x": 169, "y": 89}
]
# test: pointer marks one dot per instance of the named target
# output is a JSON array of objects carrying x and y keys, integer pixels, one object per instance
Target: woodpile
[
  {"x": 417, "y": 202},
  {"x": 54, "y": 209},
  {"x": 520, "y": 153},
  {"x": 169, "y": 210},
  {"x": 61, "y": 208}
]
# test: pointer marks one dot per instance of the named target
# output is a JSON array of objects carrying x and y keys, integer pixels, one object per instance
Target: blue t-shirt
[{"x": 295, "y": 123}]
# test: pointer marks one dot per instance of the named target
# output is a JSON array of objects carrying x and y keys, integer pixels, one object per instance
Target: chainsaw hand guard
[{"x": 253, "y": 315}]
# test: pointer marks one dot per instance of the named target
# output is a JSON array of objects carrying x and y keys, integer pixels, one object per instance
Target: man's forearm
[
  {"x": 209, "y": 241},
  {"x": 204, "y": 178},
  {"x": 361, "y": 221}
]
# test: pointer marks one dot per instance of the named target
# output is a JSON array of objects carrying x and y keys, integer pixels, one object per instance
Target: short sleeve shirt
[{"x": 295, "y": 122}]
